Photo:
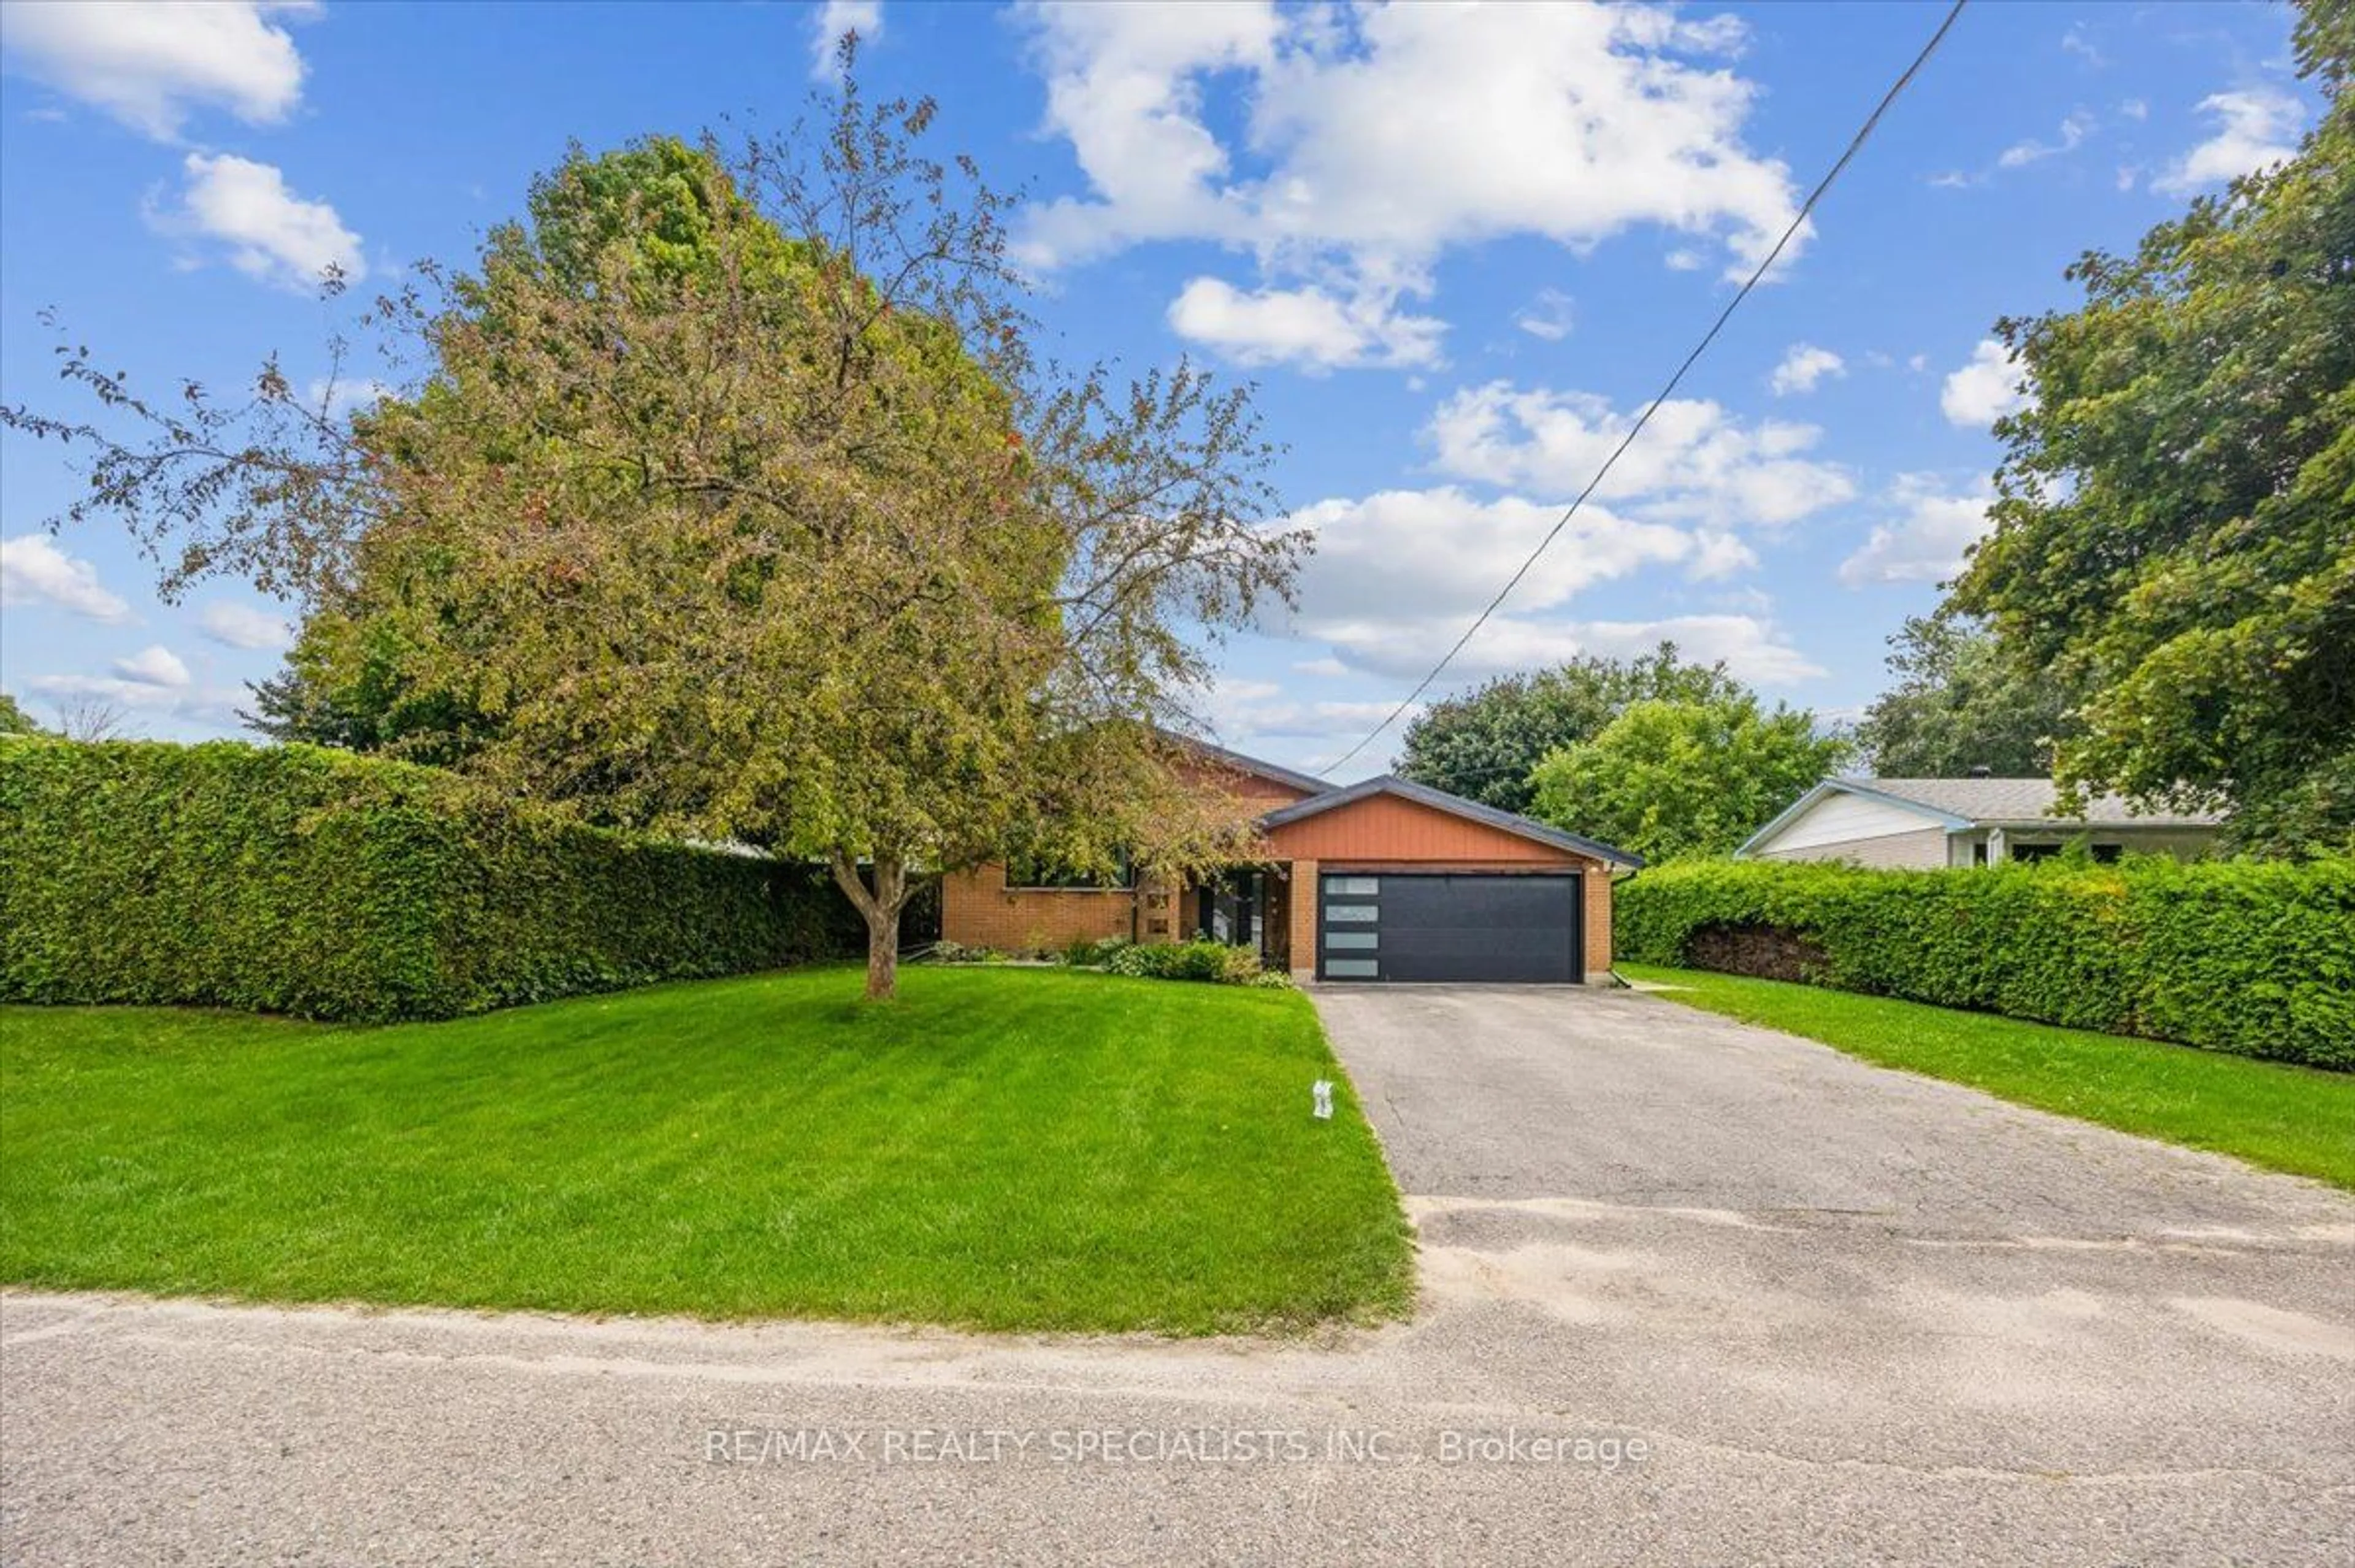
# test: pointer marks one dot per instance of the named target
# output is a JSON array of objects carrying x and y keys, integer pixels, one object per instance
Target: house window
[
  {"x": 2034, "y": 851},
  {"x": 2108, "y": 854},
  {"x": 1032, "y": 872}
]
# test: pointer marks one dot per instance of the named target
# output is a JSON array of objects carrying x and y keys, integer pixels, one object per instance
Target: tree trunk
[
  {"x": 880, "y": 905},
  {"x": 882, "y": 957}
]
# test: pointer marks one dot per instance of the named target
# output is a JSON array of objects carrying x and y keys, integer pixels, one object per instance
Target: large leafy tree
[
  {"x": 2175, "y": 524},
  {"x": 1482, "y": 745},
  {"x": 349, "y": 681},
  {"x": 1675, "y": 780},
  {"x": 1959, "y": 704},
  {"x": 733, "y": 502}
]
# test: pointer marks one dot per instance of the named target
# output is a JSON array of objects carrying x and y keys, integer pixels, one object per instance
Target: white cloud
[
  {"x": 211, "y": 708},
  {"x": 1805, "y": 365},
  {"x": 1548, "y": 316},
  {"x": 2073, "y": 131},
  {"x": 154, "y": 682},
  {"x": 1926, "y": 542},
  {"x": 1753, "y": 646},
  {"x": 153, "y": 666},
  {"x": 1717, "y": 556},
  {"x": 336, "y": 399},
  {"x": 1123, "y": 87},
  {"x": 237, "y": 625},
  {"x": 269, "y": 232},
  {"x": 2255, "y": 130},
  {"x": 1246, "y": 711},
  {"x": 1307, "y": 327},
  {"x": 1694, "y": 462},
  {"x": 152, "y": 63},
  {"x": 834, "y": 18},
  {"x": 1397, "y": 576},
  {"x": 1375, "y": 140},
  {"x": 34, "y": 570},
  {"x": 1984, "y": 391},
  {"x": 1444, "y": 552}
]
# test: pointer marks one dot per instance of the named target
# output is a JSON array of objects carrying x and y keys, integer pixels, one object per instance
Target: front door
[{"x": 1234, "y": 908}]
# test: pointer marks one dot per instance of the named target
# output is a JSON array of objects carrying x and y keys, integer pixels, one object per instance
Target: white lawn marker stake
[{"x": 1323, "y": 1092}]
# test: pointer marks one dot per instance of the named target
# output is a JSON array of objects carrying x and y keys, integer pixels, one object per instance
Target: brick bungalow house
[{"x": 1385, "y": 879}]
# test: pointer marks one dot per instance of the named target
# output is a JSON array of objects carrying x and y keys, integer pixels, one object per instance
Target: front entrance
[
  {"x": 1232, "y": 908},
  {"x": 1450, "y": 926}
]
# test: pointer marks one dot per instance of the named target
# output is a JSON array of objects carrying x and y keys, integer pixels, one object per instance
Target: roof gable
[
  {"x": 1960, "y": 805},
  {"x": 1453, "y": 805},
  {"x": 1218, "y": 756},
  {"x": 1994, "y": 800},
  {"x": 1873, "y": 815}
]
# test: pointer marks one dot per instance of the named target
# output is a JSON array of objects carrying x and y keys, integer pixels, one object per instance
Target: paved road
[{"x": 1848, "y": 1315}]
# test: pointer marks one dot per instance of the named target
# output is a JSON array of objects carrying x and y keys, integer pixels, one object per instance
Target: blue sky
[{"x": 1456, "y": 246}]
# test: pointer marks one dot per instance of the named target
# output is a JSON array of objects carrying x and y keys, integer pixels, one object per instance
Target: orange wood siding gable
[{"x": 1387, "y": 829}]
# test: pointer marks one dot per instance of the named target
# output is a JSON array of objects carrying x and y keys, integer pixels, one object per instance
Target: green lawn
[
  {"x": 1009, "y": 1149},
  {"x": 2298, "y": 1119}
]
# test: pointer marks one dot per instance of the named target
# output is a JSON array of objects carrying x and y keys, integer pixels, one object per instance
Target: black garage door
[{"x": 1449, "y": 926}]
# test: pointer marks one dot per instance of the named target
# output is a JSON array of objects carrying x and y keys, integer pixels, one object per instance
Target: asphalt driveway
[
  {"x": 1694, "y": 1293},
  {"x": 1753, "y": 1236}
]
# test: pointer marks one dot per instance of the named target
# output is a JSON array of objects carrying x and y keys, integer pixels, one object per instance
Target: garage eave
[{"x": 1455, "y": 806}]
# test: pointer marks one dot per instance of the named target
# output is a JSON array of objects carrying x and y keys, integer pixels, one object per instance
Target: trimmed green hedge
[
  {"x": 293, "y": 879},
  {"x": 2254, "y": 958}
]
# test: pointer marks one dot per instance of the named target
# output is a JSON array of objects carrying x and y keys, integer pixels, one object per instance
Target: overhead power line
[{"x": 1855, "y": 145}]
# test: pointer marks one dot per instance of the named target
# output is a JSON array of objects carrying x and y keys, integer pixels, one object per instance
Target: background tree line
[{"x": 2164, "y": 606}]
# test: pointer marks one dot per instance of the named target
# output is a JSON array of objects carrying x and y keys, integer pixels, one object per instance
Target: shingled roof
[{"x": 2007, "y": 802}]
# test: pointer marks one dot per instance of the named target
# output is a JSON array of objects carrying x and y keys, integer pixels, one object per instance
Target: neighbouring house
[
  {"x": 1383, "y": 880},
  {"x": 1931, "y": 823}
]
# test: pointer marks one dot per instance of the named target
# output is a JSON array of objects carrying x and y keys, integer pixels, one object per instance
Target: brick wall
[
  {"x": 978, "y": 909},
  {"x": 1598, "y": 924},
  {"x": 1302, "y": 899}
]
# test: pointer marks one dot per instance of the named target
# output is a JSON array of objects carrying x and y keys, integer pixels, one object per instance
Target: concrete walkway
[{"x": 1694, "y": 1293}]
